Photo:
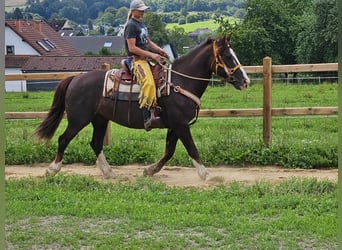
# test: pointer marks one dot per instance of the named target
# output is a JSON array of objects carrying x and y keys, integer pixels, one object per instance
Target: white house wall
[
  {"x": 14, "y": 86},
  {"x": 20, "y": 46}
]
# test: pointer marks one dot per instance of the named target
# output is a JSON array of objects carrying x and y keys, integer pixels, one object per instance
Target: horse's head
[{"x": 226, "y": 64}]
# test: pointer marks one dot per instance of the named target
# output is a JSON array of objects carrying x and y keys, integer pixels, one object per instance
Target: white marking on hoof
[
  {"x": 54, "y": 168},
  {"x": 104, "y": 166},
  {"x": 149, "y": 171},
  {"x": 201, "y": 170}
]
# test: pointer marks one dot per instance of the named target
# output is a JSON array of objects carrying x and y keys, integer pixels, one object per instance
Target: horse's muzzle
[{"x": 245, "y": 84}]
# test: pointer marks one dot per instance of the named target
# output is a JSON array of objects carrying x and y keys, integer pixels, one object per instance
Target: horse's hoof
[
  {"x": 50, "y": 173},
  {"x": 146, "y": 173},
  {"x": 109, "y": 175},
  {"x": 204, "y": 176}
]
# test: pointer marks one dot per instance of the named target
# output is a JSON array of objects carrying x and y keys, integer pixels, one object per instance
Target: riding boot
[{"x": 150, "y": 119}]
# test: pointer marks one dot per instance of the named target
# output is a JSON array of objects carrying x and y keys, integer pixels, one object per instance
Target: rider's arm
[
  {"x": 136, "y": 50},
  {"x": 154, "y": 47},
  {"x": 144, "y": 53}
]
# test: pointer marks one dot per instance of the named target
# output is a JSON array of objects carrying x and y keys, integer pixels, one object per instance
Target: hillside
[
  {"x": 190, "y": 27},
  {"x": 114, "y": 12}
]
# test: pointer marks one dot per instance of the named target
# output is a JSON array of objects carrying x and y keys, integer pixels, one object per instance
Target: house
[
  {"x": 32, "y": 37},
  {"x": 13, "y": 65},
  {"x": 64, "y": 28},
  {"x": 93, "y": 44},
  {"x": 25, "y": 38},
  {"x": 35, "y": 47},
  {"x": 46, "y": 64},
  {"x": 198, "y": 34}
]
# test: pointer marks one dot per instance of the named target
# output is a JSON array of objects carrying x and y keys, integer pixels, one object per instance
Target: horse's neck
[{"x": 194, "y": 66}]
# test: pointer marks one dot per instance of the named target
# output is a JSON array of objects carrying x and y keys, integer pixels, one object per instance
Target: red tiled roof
[
  {"x": 34, "y": 32},
  {"x": 65, "y": 63},
  {"x": 15, "y": 61}
]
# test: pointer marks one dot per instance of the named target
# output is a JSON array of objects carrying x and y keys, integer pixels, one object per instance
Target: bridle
[{"x": 218, "y": 61}]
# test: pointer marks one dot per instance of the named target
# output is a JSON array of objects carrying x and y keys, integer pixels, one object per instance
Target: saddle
[{"x": 120, "y": 84}]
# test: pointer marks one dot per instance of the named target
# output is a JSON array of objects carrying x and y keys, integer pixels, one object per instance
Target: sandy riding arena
[{"x": 179, "y": 176}]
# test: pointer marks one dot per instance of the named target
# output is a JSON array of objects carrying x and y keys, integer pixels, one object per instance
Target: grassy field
[
  {"x": 308, "y": 95},
  {"x": 12, "y": 4},
  {"x": 304, "y": 142},
  {"x": 73, "y": 212},
  {"x": 190, "y": 27},
  {"x": 70, "y": 212}
]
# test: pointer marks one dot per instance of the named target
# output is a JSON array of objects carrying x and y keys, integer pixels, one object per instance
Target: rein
[{"x": 188, "y": 76}]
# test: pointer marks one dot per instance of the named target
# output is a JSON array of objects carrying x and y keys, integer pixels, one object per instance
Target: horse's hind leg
[
  {"x": 100, "y": 126},
  {"x": 63, "y": 141},
  {"x": 170, "y": 146}
]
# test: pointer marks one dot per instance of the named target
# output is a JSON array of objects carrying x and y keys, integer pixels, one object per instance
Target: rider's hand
[
  {"x": 163, "y": 53},
  {"x": 158, "y": 58}
]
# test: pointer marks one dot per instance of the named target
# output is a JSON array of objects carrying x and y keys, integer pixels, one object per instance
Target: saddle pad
[{"x": 109, "y": 84}]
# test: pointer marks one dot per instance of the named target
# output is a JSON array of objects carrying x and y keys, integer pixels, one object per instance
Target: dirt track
[{"x": 180, "y": 176}]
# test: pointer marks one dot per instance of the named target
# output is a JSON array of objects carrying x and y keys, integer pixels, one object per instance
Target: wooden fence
[{"x": 267, "y": 69}]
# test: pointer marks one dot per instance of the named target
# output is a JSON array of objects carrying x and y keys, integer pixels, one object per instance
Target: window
[
  {"x": 41, "y": 44},
  {"x": 48, "y": 42},
  {"x": 107, "y": 44},
  {"x": 9, "y": 50}
]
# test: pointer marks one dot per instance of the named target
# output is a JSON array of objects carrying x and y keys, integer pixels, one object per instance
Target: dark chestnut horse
[{"x": 82, "y": 98}]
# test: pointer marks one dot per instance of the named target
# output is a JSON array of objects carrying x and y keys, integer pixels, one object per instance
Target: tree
[
  {"x": 121, "y": 15},
  {"x": 179, "y": 39},
  {"x": 107, "y": 18},
  {"x": 110, "y": 31},
  {"x": 269, "y": 28},
  {"x": 104, "y": 52},
  {"x": 75, "y": 10},
  {"x": 101, "y": 30},
  {"x": 156, "y": 28},
  {"x": 17, "y": 14},
  {"x": 317, "y": 42},
  {"x": 90, "y": 24}
]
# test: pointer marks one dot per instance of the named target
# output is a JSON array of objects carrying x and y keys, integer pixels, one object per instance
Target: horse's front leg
[
  {"x": 186, "y": 138},
  {"x": 170, "y": 146}
]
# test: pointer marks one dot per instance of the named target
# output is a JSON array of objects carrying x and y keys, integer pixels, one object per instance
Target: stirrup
[{"x": 152, "y": 122}]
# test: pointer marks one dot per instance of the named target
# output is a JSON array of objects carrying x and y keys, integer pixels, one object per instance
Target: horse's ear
[
  {"x": 209, "y": 40},
  {"x": 221, "y": 41},
  {"x": 228, "y": 38}
]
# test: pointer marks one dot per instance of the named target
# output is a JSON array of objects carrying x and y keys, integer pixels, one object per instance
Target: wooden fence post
[
  {"x": 106, "y": 139},
  {"x": 267, "y": 105}
]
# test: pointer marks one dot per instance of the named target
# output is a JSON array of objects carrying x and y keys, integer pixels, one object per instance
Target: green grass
[
  {"x": 73, "y": 212},
  {"x": 70, "y": 212},
  {"x": 309, "y": 95},
  {"x": 305, "y": 142},
  {"x": 190, "y": 27}
]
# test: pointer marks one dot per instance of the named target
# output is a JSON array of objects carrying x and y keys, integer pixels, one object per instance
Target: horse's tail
[{"x": 48, "y": 127}]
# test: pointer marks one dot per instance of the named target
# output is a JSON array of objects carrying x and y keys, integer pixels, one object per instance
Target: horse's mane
[{"x": 194, "y": 51}]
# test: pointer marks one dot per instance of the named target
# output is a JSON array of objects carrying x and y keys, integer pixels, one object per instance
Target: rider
[{"x": 140, "y": 47}]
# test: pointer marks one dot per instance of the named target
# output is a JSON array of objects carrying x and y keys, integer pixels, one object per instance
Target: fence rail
[
  {"x": 40, "y": 76},
  {"x": 267, "y": 69},
  {"x": 214, "y": 112}
]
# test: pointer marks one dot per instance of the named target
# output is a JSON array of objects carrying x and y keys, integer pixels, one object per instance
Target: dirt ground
[{"x": 179, "y": 176}]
